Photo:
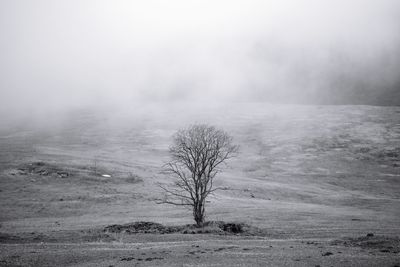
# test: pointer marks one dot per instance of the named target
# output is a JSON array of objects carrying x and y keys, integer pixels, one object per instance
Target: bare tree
[{"x": 197, "y": 153}]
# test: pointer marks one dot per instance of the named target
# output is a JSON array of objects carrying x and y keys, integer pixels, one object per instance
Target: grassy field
[{"x": 306, "y": 175}]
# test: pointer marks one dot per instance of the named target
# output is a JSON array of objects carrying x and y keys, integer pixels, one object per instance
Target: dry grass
[{"x": 302, "y": 171}]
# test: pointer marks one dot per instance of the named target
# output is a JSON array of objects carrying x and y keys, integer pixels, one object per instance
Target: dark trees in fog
[{"x": 197, "y": 154}]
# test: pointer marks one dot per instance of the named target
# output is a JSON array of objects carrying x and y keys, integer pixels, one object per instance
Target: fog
[{"x": 74, "y": 54}]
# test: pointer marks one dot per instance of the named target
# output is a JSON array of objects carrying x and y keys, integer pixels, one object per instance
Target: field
[{"x": 315, "y": 180}]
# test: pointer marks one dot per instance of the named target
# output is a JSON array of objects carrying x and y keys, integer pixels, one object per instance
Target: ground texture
[{"x": 315, "y": 179}]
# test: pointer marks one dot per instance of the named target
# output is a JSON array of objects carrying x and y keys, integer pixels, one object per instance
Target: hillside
[{"x": 302, "y": 171}]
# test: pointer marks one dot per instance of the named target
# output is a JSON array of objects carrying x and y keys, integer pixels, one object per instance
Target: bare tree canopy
[{"x": 197, "y": 153}]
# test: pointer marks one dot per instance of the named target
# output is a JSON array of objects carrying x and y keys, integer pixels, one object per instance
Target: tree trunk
[{"x": 198, "y": 213}]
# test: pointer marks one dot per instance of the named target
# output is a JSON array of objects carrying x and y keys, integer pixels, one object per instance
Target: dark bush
[{"x": 235, "y": 228}]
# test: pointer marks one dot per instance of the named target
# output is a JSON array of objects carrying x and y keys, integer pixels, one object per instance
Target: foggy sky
[{"x": 82, "y": 53}]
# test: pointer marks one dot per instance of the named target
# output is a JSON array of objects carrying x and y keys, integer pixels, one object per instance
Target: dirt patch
[
  {"x": 213, "y": 227},
  {"x": 54, "y": 237},
  {"x": 133, "y": 178},
  {"x": 141, "y": 259},
  {"x": 378, "y": 154},
  {"x": 389, "y": 154},
  {"x": 43, "y": 169},
  {"x": 7, "y": 238},
  {"x": 141, "y": 227},
  {"x": 371, "y": 241},
  {"x": 235, "y": 228}
]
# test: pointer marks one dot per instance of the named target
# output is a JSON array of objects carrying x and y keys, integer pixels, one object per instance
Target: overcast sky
[{"x": 80, "y": 53}]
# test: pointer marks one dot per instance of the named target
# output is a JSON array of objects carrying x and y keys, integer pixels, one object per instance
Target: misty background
[{"x": 73, "y": 54}]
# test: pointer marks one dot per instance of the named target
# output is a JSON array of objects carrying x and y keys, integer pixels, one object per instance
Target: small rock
[
  {"x": 327, "y": 253},
  {"x": 127, "y": 259},
  {"x": 63, "y": 174},
  {"x": 370, "y": 235}
]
